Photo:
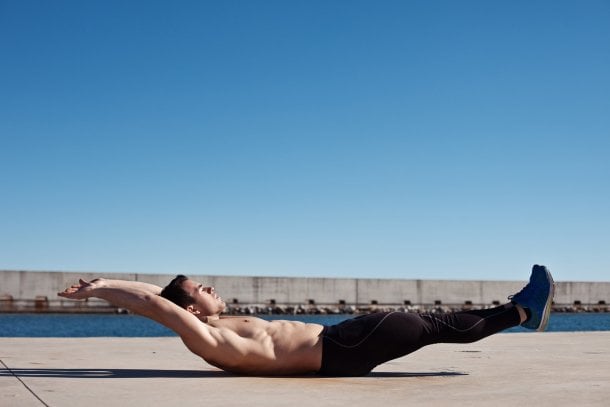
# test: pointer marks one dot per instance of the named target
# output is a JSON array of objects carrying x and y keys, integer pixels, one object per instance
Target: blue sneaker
[{"x": 537, "y": 297}]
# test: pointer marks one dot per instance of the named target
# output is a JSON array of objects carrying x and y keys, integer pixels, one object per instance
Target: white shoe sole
[{"x": 546, "y": 313}]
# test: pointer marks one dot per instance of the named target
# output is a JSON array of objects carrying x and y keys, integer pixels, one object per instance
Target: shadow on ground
[
  {"x": 113, "y": 373},
  {"x": 179, "y": 374},
  {"x": 416, "y": 374}
]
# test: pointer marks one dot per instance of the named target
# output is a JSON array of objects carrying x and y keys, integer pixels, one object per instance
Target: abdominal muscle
[{"x": 288, "y": 347}]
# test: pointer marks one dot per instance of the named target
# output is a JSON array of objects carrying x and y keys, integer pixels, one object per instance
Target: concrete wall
[{"x": 284, "y": 290}]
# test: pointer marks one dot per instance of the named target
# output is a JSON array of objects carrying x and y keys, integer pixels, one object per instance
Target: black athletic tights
[{"x": 355, "y": 346}]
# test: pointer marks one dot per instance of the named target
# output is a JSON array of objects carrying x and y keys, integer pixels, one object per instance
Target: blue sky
[{"x": 392, "y": 139}]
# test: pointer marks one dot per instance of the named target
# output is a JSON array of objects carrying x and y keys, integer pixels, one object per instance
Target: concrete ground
[{"x": 529, "y": 369}]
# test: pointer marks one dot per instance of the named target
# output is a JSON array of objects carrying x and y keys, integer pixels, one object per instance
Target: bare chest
[{"x": 247, "y": 327}]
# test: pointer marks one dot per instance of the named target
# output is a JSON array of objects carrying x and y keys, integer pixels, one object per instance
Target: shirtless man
[{"x": 252, "y": 346}]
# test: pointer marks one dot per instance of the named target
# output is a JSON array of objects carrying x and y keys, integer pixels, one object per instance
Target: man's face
[{"x": 207, "y": 302}]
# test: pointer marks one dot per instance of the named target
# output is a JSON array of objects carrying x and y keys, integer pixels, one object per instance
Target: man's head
[{"x": 196, "y": 298}]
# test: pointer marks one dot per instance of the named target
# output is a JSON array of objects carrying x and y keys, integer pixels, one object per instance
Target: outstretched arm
[
  {"x": 126, "y": 284},
  {"x": 142, "y": 300}
]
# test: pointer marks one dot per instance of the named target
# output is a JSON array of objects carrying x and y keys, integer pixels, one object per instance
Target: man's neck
[{"x": 208, "y": 318}]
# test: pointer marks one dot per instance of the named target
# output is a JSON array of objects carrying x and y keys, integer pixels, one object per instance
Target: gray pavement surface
[{"x": 529, "y": 369}]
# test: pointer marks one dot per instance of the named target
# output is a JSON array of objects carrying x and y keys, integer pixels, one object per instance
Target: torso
[{"x": 286, "y": 347}]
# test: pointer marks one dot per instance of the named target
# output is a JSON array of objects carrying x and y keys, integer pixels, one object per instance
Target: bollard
[
  {"x": 6, "y": 303},
  {"x": 41, "y": 303}
]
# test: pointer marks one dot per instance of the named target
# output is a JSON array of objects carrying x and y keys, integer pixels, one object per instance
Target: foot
[{"x": 536, "y": 297}]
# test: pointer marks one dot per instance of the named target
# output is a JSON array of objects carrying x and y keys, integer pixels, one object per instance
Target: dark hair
[{"x": 176, "y": 294}]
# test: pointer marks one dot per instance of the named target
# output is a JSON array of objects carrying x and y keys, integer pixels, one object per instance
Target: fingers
[
  {"x": 68, "y": 291},
  {"x": 73, "y": 290}
]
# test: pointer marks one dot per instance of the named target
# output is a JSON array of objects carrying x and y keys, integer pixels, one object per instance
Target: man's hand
[{"x": 82, "y": 290}]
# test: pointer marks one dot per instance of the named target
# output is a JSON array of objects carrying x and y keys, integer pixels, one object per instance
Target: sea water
[{"x": 96, "y": 325}]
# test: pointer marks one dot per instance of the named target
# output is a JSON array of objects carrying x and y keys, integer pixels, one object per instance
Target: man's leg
[
  {"x": 469, "y": 326},
  {"x": 356, "y": 346}
]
